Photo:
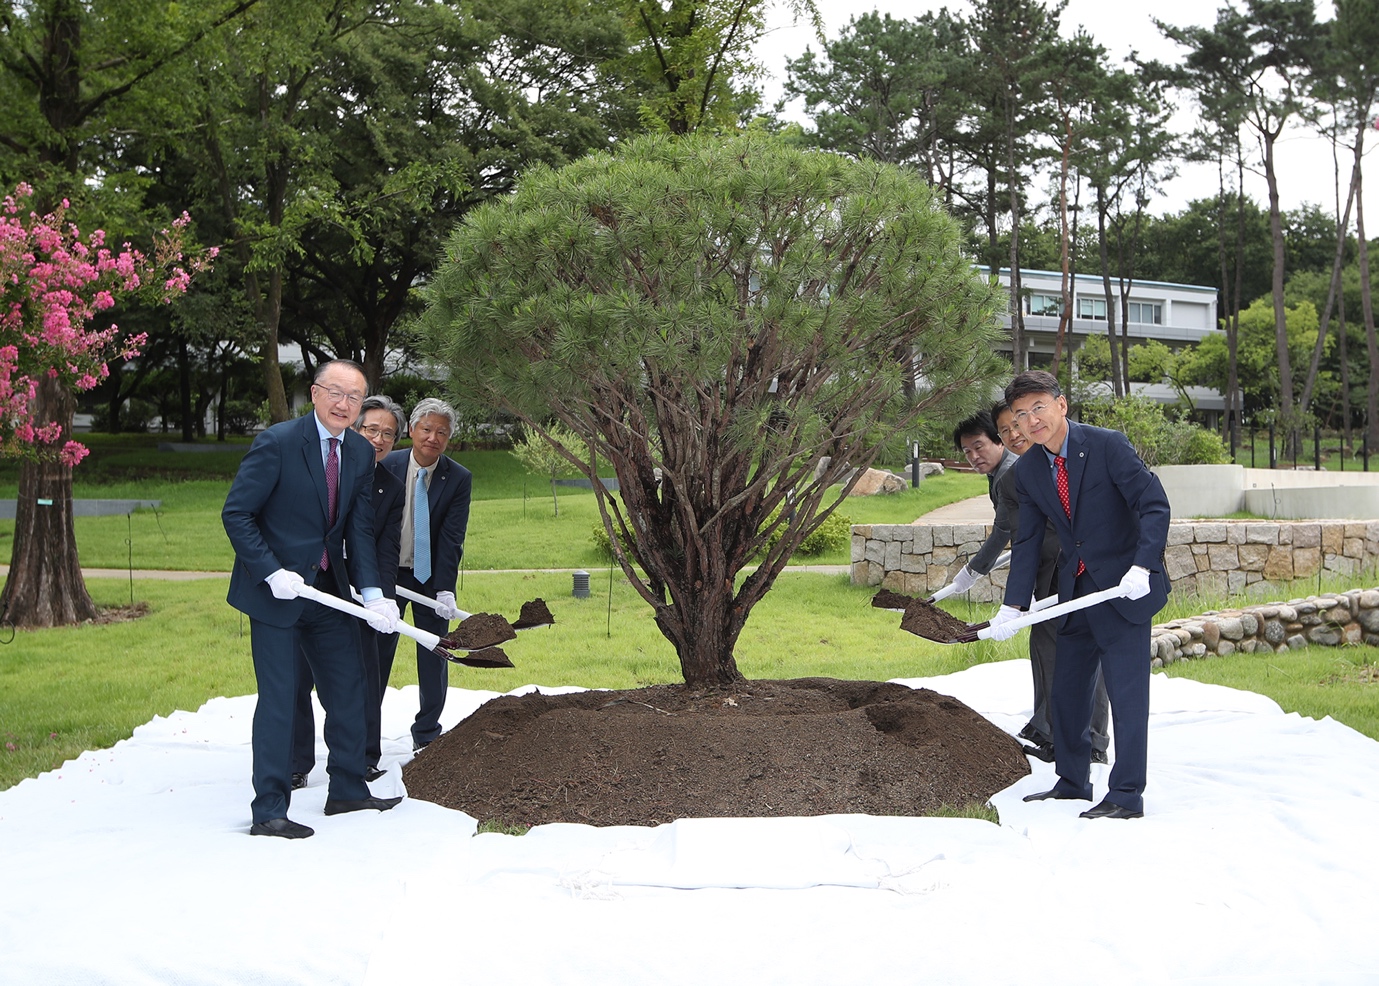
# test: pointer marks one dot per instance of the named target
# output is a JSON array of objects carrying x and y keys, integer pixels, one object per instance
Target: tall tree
[
  {"x": 1264, "y": 54},
  {"x": 716, "y": 319}
]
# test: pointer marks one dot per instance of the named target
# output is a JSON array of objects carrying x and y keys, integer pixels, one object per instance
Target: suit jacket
[
  {"x": 1048, "y": 551},
  {"x": 1001, "y": 527},
  {"x": 388, "y": 500},
  {"x": 448, "y": 497},
  {"x": 1120, "y": 517},
  {"x": 276, "y": 517}
]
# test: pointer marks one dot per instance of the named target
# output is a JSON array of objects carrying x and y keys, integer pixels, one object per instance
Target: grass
[{"x": 507, "y": 529}]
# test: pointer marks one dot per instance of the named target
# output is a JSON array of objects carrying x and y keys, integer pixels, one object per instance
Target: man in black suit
[
  {"x": 1112, "y": 516},
  {"x": 303, "y": 488},
  {"x": 380, "y": 421},
  {"x": 435, "y": 518},
  {"x": 1043, "y": 637}
]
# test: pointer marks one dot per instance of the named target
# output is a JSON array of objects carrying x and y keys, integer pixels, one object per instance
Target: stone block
[
  {"x": 892, "y": 559},
  {"x": 1235, "y": 582},
  {"x": 1223, "y": 557},
  {"x": 1249, "y": 624},
  {"x": 1274, "y": 632},
  {"x": 1332, "y": 537},
  {"x": 1353, "y": 633},
  {"x": 1178, "y": 561},
  {"x": 943, "y": 557},
  {"x": 1341, "y": 564},
  {"x": 1211, "y": 634},
  {"x": 1180, "y": 534},
  {"x": 1355, "y": 530},
  {"x": 1199, "y": 549},
  {"x": 911, "y": 562},
  {"x": 923, "y": 537},
  {"x": 895, "y": 581},
  {"x": 1326, "y": 635},
  {"x": 1296, "y": 642},
  {"x": 1307, "y": 535},
  {"x": 1369, "y": 599},
  {"x": 970, "y": 532},
  {"x": 1285, "y": 533},
  {"x": 1306, "y": 561},
  {"x": 916, "y": 584},
  {"x": 1279, "y": 566},
  {"x": 1261, "y": 533},
  {"x": 1210, "y": 534},
  {"x": 1211, "y": 583},
  {"x": 1253, "y": 556},
  {"x": 943, "y": 535},
  {"x": 875, "y": 552},
  {"x": 859, "y": 547},
  {"x": 1225, "y": 647},
  {"x": 1235, "y": 533},
  {"x": 1353, "y": 548}
]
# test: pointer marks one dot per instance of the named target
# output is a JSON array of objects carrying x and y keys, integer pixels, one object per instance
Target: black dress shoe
[
  {"x": 373, "y": 774},
  {"x": 338, "y": 806},
  {"x": 283, "y": 828},
  {"x": 1098, "y": 756},
  {"x": 1053, "y": 794},
  {"x": 298, "y": 781},
  {"x": 1041, "y": 751},
  {"x": 1109, "y": 809},
  {"x": 1029, "y": 733}
]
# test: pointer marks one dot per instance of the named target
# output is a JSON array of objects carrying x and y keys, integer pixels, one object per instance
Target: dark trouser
[
  {"x": 1102, "y": 636},
  {"x": 433, "y": 671},
  {"x": 1043, "y": 649},
  {"x": 329, "y": 646}
]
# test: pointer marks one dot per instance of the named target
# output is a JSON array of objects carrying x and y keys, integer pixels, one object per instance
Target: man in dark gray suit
[{"x": 301, "y": 490}]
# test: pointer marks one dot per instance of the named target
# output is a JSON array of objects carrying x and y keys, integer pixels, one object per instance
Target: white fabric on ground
[{"x": 1254, "y": 864}]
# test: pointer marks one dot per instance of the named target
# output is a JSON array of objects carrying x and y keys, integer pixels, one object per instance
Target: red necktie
[
  {"x": 1061, "y": 467},
  {"x": 333, "y": 490}
]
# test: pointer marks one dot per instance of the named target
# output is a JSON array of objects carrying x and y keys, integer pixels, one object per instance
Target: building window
[
  {"x": 1146, "y": 312},
  {"x": 1091, "y": 308},
  {"x": 1044, "y": 304}
]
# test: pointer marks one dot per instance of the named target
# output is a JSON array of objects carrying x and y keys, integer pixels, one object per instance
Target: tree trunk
[
  {"x": 1101, "y": 208},
  {"x": 1288, "y": 420},
  {"x": 704, "y": 630},
  {"x": 45, "y": 587},
  {"x": 1367, "y": 313}
]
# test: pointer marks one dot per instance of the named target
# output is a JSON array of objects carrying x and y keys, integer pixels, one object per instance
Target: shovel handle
[
  {"x": 428, "y": 640},
  {"x": 1054, "y": 611},
  {"x": 417, "y": 597}
]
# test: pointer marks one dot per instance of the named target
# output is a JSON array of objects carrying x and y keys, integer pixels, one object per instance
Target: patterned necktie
[
  {"x": 332, "y": 492},
  {"x": 421, "y": 530},
  {"x": 1061, "y": 467}
]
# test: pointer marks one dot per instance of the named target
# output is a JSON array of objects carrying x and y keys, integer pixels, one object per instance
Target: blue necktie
[{"x": 421, "y": 530}]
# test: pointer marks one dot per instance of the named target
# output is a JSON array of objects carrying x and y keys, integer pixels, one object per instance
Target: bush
[{"x": 1160, "y": 439}]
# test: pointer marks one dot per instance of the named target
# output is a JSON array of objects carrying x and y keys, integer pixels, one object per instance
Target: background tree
[
  {"x": 548, "y": 457},
  {"x": 716, "y": 319}
]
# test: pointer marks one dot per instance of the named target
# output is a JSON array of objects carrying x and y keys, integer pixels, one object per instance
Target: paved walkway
[{"x": 974, "y": 510}]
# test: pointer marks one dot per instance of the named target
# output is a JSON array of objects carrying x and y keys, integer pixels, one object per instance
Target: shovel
[
  {"x": 488, "y": 657},
  {"x": 1002, "y": 561},
  {"x": 1038, "y": 613},
  {"x": 533, "y": 614}
]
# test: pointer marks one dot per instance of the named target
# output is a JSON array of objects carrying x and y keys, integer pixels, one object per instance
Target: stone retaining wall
[
  {"x": 1331, "y": 620},
  {"x": 1232, "y": 557}
]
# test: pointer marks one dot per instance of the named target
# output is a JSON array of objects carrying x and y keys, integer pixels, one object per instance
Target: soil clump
[
  {"x": 809, "y": 746},
  {"x": 926, "y": 620}
]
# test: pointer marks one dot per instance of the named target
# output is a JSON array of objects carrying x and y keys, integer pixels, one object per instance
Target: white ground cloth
[{"x": 1255, "y": 863}]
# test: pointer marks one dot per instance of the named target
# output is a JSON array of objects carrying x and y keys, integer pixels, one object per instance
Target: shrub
[{"x": 1160, "y": 440}]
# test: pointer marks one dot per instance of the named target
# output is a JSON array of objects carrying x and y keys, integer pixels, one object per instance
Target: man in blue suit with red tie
[
  {"x": 435, "y": 518},
  {"x": 1111, "y": 515},
  {"x": 303, "y": 488}
]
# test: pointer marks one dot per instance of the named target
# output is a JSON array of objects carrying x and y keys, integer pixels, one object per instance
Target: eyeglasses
[
  {"x": 1035, "y": 412},
  {"x": 336, "y": 396},
  {"x": 374, "y": 431}
]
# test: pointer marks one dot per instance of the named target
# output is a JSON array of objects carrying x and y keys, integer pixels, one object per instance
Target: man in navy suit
[
  {"x": 1111, "y": 515},
  {"x": 434, "y": 520},
  {"x": 303, "y": 488},
  {"x": 380, "y": 421}
]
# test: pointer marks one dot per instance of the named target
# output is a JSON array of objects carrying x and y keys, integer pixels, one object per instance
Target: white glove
[
  {"x": 964, "y": 580},
  {"x": 383, "y": 614},
  {"x": 1000, "y": 628},
  {"x": 1136, "y": 582},
  {"x": 446, "y": 606},
  {"x": 284, "y": 584}
]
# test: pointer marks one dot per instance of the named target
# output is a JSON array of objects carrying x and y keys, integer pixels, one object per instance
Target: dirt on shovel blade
[
  {"x": 534, "y": 614},
  {"x": 926, "y": 620},
  {"x": 890, "y": 599},
  {"x": 478, "y": 632},
  {"x": 489, "y": 657}
]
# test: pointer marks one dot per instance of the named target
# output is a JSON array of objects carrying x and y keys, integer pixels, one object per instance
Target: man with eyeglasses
[
  {"x": 435, "y": 518},
  {"x": 1042, "y": 636},
  {"x": 301, "y": 491},
  {"x": 1111, "y": 515},
  {"x": 380, "y": 421}
]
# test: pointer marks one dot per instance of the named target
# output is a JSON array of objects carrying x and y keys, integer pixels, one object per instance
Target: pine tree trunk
[{"x": 45, "y": 587}]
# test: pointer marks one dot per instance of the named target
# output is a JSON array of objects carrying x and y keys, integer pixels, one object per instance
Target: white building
[{"x": 1175, "y": 314}]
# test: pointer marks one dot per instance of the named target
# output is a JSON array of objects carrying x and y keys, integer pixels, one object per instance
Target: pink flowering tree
[{"x": 54, "y": 283}]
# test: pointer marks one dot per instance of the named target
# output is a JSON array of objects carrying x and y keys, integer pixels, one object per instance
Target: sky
[{"x": 1304, "y": 159}]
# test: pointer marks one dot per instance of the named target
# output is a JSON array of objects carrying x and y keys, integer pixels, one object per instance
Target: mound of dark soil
[{"x": 811, "y": 746}]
